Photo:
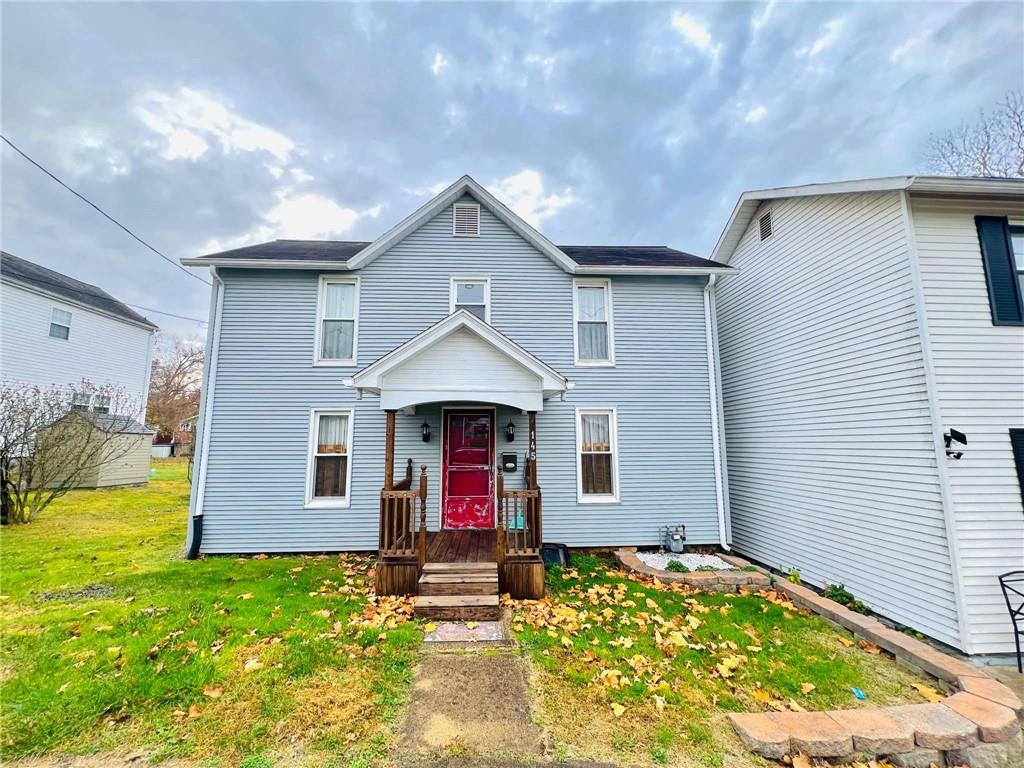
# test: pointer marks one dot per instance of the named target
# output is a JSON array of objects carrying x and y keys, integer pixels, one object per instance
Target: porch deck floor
[{"x": 466, "y": 546}]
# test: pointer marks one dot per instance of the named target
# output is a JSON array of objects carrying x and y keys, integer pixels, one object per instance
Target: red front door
[{"x": 467, "y": 490}]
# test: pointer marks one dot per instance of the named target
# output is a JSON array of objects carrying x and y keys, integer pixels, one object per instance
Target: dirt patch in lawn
[{"x": 470, "y": 702}]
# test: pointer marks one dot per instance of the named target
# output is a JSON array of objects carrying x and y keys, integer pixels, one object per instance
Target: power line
[
  {"x": 169, "y": 314},
  {"x": 84, "y": 199}
]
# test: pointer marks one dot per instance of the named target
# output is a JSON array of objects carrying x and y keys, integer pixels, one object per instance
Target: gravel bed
[{"x": 691, "y": 561}]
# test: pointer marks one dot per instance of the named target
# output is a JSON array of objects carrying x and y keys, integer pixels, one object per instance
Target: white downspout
[{"x": 713, "y": 402}]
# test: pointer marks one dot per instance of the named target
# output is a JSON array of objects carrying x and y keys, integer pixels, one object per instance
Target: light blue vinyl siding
[{"x": 266, "y": 385}]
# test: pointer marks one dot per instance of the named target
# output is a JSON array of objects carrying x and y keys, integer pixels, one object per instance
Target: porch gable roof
[{"x": 455, "y": 380}]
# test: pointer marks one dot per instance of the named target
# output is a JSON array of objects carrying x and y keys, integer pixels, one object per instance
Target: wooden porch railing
[
  {"x": 400, "y": 534},
  {"x": 405, "y": 483},
  {"x": 519, "y": 523}
]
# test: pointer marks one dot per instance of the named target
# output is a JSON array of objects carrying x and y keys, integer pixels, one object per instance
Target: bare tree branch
[
  {"x": 175, "y": 380},
  {"x": 993, "y": 146}
]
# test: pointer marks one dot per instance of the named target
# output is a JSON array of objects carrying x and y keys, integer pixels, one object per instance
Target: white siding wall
[
  {"x": 99, "y": 348},
  {"x": 830, "y": 451},
  {"x": 979, "y": 370}
]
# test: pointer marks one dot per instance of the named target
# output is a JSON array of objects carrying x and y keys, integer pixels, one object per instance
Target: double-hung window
[
  {"x": 101, "y": 404},
  {"x": 472, "y": 295},
  {"x": 597, "y": 455},
  {"x": 330, "y": 463},
  {"x": 80, "y": 401},
  {"x": 1017, "y": 245},
  {"x": 337, "y": 321},
  {"x": 593, "y": 332},
  {"x": 60, "y": 323}
]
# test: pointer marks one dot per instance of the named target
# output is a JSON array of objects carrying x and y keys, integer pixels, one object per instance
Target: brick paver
[{"x": 995, "y": 722}]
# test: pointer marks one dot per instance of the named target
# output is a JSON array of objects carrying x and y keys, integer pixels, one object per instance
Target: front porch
[{"x": 487, "y": 532}]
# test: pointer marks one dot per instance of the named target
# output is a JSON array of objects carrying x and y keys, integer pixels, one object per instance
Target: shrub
[
  {"x": 794, "y": 576},
  {"x": 676, "y": 567},
  {"x": 840, "y": 594}
]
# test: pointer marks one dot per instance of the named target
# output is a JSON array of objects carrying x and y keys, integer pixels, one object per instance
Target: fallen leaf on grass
[
  {"x": 802, "y": 761},
  {"x": 618, "y": 709},
  {"x": 194, "y": 711},
  {"x": 252, "y": 665},
  {"x": 871, "y": 648},
  {"x": 659, "y": 703},
  {"x": 114, "y": 650},
  {"x": 213, "y": 692},
  {"x": 246, "y": 596},
  {"x": 807, "y": 687},
  {"x": 845, "y": 641},
  {"x": 928, "y": 692},
  {"x": 63, "y": 688}
]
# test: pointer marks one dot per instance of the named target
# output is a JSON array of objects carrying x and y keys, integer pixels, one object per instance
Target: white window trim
[
  {"x": 453, "y": 295},
  {"x": 613, "y": 427},
  {"x": 314, "y": 421},
  {"x": 62, "y": 325},
  {"x": 321, "y": 297},
  {"x": 601, "y": 282},
  {"x": 479, "y": 221}
]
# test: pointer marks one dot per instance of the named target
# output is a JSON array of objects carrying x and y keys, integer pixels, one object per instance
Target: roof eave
[
  {"x": 34, "y": 288},
  {"x": 624, "y": 269},
  {"x": 208, "y": 261}
]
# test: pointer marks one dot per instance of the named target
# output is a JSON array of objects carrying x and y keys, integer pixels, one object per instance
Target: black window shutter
[
  {"x": 1000, "y": 273},
  {"x": 1017, "y": 443}
]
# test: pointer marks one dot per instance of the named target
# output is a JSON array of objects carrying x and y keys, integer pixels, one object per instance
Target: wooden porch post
[
  {"x": 389, "y": 451},
  {"x": 423, "y": 517},
  {"x": 533, "y": 449}
]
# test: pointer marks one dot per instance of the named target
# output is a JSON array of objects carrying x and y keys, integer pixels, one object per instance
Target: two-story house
[
  {"x": 459, "y": 389},
  {"x": 872, "y": 351},
  {"x": 56, "y": 330}
]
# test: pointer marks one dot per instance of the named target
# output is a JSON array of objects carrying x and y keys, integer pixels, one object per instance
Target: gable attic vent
[
  {"x": 765, "y": 224},
  {"x": 466, "y": 220}
]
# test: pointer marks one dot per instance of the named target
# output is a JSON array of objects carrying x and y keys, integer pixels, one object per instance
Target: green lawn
[
  {"x": 112, "y": 640},
  {"x": 641, "y": 674}
]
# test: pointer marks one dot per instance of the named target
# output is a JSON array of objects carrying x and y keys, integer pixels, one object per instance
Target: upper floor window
[
  {"x": 1017, "y": 243},
  {"x": 337, "y": 321},
  {"x": 80, "y": 401},
  {"x": 593, "y": 331},
  {"x": 472, "y": 295},
  {"x": 101, "y": 404},
  {"x": 60, "y": 323}
]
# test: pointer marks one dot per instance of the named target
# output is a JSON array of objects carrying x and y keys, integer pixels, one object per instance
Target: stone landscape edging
[
  {"x": 712, "y": 581},
  {"x": 979, "y": 725}
]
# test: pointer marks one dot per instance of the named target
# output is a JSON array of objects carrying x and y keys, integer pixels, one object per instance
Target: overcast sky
[{"x": 209, "y": 126}]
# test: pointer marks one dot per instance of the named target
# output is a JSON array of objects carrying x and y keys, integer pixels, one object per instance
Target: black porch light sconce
[
  {"x": 425, "y": 431},
  {"x": 510, "y": 431}
]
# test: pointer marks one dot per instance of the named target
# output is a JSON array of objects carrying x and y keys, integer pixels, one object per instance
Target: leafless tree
[
  {"x": 174, "y": 384},
  {"x": 993, "y": 146},
  {"x": 53, "y": 438}
]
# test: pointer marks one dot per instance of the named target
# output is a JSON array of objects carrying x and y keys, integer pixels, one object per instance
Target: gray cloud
[{"x": 650, "y": 127}]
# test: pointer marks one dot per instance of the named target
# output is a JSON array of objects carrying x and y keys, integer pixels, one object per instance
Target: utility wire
[
  {"x": 169, "y": 314},
  {"x": 86, "y": 200}
]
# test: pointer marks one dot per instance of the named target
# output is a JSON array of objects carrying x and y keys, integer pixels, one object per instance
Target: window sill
[
  {"x": 334, "y": 363},
  {"x": 594, "y": 364},
  {"x": 597, "y": 499},
  {"x": 327, "y": 504}
]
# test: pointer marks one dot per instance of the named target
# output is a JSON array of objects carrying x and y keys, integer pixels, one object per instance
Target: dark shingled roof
[
  {"x": 634, "y": 256},
  {"x": 122, "y": 425},
  {"x": 25, "y": 272},
  {"x": 588, "y": 255}
]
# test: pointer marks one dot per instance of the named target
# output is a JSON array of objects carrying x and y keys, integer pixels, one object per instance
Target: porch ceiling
[{"x": 460, "y": 358}]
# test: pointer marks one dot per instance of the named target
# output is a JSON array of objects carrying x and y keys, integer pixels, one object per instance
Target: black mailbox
[{"x": 510, "y": 462}]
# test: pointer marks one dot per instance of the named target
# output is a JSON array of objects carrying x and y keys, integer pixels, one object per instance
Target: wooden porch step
[
  {"x": 434, "y": 568},
  {"x": 465, "y": 583},
  {"x": 458, "y": 607}
]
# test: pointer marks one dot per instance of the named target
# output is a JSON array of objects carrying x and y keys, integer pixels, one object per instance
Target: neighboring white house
[
  {"x": 872, "y": 320},
  {"x": 58, "y": 330}
]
